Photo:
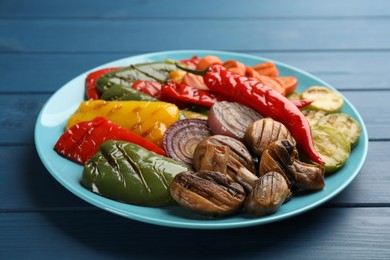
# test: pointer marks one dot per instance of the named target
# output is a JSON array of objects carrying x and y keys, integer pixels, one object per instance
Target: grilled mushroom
[
  {"x": 263, "y": 132},
  {"x": 269, "y": 193},
  {"x": 281, "y": 156},
  {"x": 240, "y": 165},
  {"x": 215, "y": 158},
  {"x": 308, "y": 176},
  {"x": 207, "y": 193}
]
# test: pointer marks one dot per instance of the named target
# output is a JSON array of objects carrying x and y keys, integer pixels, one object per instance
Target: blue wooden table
[{"x": 44, "y": 44}]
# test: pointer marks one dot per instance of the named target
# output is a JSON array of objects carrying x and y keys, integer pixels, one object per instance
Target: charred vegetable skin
[
  {"x": 239, "y": 163},
  {"x": 270, "y": 191},
  {"x": 265, "y": 101},
  {"x": 188, "y": 94},
  {"x": 80, "y": 142},
  {"x": 156, "y": 71},
  {"x": 146, "y": 119},
  {"x": 118, "y": 84},
  {"x": 128, "y": 173},
  {"x": 91, "y": 81},
  {"x": 263, "y": 132},
  {"x": 208, "y": 193},
  {"x": 282, "y": 157}
]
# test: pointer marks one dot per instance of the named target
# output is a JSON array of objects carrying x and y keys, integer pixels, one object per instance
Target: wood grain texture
[
  {"x": 145, "y": 35},
  {"x": 345, "y": 70},
  {"x": 180, "y": 9},
  {"x": 18, "y": 117},
  {"x": 372, "y": 106},
  {"x": 44, "y": 44},
  {"x": 346, "y": 233}
]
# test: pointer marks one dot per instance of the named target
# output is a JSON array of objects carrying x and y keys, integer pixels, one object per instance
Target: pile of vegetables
[{"x": 216, "y": 137}]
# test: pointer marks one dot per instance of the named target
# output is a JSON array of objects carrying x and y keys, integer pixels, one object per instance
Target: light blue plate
[{"x": 51, "y": 121}]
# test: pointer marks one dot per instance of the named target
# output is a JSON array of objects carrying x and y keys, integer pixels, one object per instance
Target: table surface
[{"x": 44, "y": 44}]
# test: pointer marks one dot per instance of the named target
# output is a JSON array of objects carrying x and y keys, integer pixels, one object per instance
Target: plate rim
[{"x": 100, "y": 201}]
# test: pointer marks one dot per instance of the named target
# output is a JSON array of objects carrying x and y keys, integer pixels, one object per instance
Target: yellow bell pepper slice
[{"x": 144, "y": 118}]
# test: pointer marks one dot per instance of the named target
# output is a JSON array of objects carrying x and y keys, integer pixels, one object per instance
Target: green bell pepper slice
[
  {"x": 128, "y": 173},
  {"x": 152, "y": 71},
  {"x": 119, "y": 92}
]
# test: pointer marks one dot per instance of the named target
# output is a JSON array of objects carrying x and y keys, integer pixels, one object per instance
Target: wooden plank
[
  {"x": 18, "y": 117},
  {"x": 46, "y": 72},
  {"x": 32, "y": 72},
  {"x": 205, "y": 9},
  {"x": 338, "y": 233},
  {"x": 27, "y": 186},
  {"x": 372, "y": 176},
  {"x": 145, "y": 35},
  {"x": 372, "y": 106}
]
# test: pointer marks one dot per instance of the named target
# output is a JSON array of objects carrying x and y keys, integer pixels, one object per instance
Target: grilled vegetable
[
  {"x": 215, "y": 158},
  {"x": 147, "y": 119},
  {"x": 240, "y": 168},
  {"x": 188, "y": 114},
  {"x": 269, "y": 193},
  {"x": 346, "y": 124},
  {"x": 119, "y": 92},
  {"x": 151, "y": 88},
  {"x": 300, "y": 104},
  {"x": 183, "y": 93},
  {"x": 80, "y": 142},
  {"x": 332, "y": 145},
  {"x": 264, "y": 132},
  {"x": 91, "y": 80},
  {"x": 207, "y": 61},
  {"x": 182, "y": 137},
  {"x": 294, "y": 96},
  {"x": 289, "y": 83},
  {"x": 281, "y": 156},
  {"x": 208, "y": 193},
  {"x": 324, "y": 99},
  {"x": 313, "y": 116},
  {"x": 267, "y": 69},
  {"x": 128, "y": 173},
  {"x": 231, "y": 119},
  {"x": 124, "y": 78},
  {"x": 157, "y": 70}
]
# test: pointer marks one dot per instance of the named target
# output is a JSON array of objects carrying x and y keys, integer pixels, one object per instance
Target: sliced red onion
[
  {"x": 182, "y": 137},
  {"x": 231, "y": 119}
]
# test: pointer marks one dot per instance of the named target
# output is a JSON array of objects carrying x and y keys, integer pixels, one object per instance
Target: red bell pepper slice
[
  {"x": 81, "y": 141},
  {"x": 91, "y": 80}
]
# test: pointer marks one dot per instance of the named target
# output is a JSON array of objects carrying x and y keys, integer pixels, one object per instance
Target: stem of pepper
[{"x": 196, "y": 72}]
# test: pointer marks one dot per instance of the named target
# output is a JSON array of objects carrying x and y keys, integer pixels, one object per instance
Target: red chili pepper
[
  {"x": 266, "y": 101},
  {"x": 151, "y": 88},
  {"x": 301, "y": 103},
  {"x": 91, "y": 80},
  {"x": 81, "y": 141},
  {"x": 183, "y": 92}
]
